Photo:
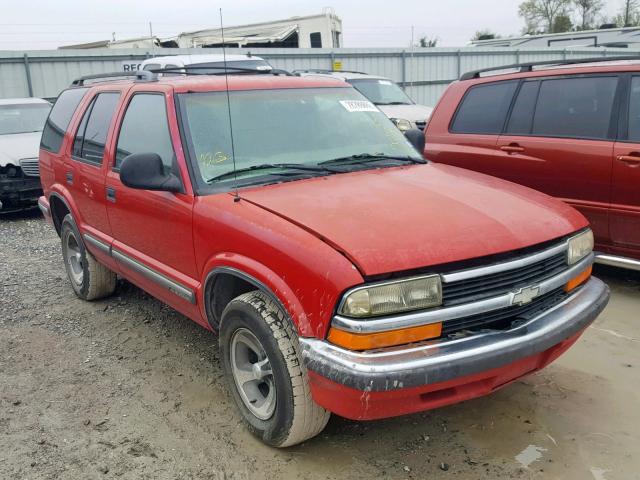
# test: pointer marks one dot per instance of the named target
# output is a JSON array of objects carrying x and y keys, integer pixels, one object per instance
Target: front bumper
[
  {"x": 17, "y": 193},
  {"x": 438, "y": 362}
]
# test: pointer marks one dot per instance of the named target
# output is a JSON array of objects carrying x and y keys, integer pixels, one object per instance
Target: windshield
[
  {"x": 290, "y": 126},
  {"x": 23, "y": 118},
  {"x": 381, "y": 92}
]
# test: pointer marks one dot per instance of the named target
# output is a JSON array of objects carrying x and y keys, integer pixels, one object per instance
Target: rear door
[
  {"x": 625, "y": 185},
  {"x": 559, "y": 140},
  {"x": 470, "y": 139},
  {"x": 86, "y": 169}
]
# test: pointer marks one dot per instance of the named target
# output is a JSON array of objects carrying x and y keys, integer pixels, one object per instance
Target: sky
[{"x": 47, "y": 24}]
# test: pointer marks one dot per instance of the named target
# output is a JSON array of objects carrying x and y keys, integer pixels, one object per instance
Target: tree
[
  {"x": 485, "y": 34},
  {"x": 540, "y": 15},
  {"x": 629, "y": 16},
  {"x": 587, "y": 11},
  {"x": 562, "y": 23},
  {"x": 428, "y": 42}
]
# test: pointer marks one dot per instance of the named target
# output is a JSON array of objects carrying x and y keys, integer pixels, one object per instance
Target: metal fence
[{"x": 423, "y": 72}]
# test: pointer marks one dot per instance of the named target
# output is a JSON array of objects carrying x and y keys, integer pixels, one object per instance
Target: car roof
[
  {"x": 345, "y": 75},
  {"x": 197, "y": 58},
  {"x": 22, "y": 101}
]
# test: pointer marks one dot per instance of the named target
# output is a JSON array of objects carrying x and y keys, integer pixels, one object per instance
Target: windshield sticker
[
  {"x": 385, "y": 82},
  {"x": 209, "y": 158},
  {"x": 358, "y": 106}
]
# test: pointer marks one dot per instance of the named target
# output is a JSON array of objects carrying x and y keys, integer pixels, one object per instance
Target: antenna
[{"x": 226, "y": 79}]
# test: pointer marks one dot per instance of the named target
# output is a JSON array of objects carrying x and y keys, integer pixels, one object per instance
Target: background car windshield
[
  {"x": 303, "y": 126},
  {"x": 23, "y": 118},
  {"x": 381, "y": 92}
]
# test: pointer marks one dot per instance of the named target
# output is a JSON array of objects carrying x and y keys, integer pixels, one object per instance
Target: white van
[{"x": 216, "y": 62}]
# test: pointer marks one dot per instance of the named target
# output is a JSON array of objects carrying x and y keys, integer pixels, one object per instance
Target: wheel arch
[
  {"x": 230, "y": 280},
  {"x": 59, "y": 207}
]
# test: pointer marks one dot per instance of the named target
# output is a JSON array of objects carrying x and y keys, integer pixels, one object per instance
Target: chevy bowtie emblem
[{"x": 525, "y": 295}]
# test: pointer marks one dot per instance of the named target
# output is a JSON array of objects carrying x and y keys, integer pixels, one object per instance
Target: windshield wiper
[
  {"x": 393, "y": 103},
  {"x": 276, "y": 166},
  {"x": 368, "y": 158}
]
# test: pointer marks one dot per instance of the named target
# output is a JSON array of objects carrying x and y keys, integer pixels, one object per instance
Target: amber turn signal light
[
  {"x": 578, "y": 279},
  {"x": 368, "y": 341}
]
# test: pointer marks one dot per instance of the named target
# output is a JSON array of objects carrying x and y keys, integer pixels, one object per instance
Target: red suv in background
[
  {"x": 343, "y": 272},
  {"x": 569, "y": 129}
]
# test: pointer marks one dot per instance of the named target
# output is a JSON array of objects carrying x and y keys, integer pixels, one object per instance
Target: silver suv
[{"x": 384, "y": 94}]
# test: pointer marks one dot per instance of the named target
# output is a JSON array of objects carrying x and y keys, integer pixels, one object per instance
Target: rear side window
[
  {"x": 59, "y": 119},
  {"x": 484, "y": 109},
  {"x": 145, "y": 129},
  {"x": 634, "y": 111},
  {"x": 92, "y": 133},
  {"x": 575, "y": 107},
  {"x": 521, "y": 118}
]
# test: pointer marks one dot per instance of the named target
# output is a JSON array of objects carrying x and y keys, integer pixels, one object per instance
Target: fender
[
  {"x": 263, "y": 278},
  {"x": 61, "y": 193}
]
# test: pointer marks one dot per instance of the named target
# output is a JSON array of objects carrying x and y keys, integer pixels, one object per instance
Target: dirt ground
[{"x": 128, "y": 388}]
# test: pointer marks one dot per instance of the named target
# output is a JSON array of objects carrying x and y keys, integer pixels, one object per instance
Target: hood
[
  {"x": 413, "y": 113},
  {"x": 15, "y": 147},
  {"x": 403, "y": 218}
]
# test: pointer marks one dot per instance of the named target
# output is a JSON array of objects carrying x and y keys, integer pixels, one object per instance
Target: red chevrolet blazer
[
  {"x": 569, "y": 129},
  {"x": 342, "y": 271}
]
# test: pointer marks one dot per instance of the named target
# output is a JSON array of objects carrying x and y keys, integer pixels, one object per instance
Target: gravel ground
[{"x": 128, "y": 388}]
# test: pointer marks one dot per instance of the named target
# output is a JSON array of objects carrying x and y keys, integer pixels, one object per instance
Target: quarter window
[
  {"x": 575, "y": 107},
  {"x": 484, "y": 109},
  {"x": 92, "y": 132},
  {"x": 145, "y": 129},
  {"x": 59, "y": 118}
]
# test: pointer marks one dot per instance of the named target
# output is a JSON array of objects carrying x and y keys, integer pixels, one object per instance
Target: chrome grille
[
  {"x": 475, "y": 289},
  {"x": 30, "y": 167}
]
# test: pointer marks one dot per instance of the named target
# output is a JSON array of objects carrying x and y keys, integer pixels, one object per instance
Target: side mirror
[
  {"x": 416, "y": 137},
  {"x": 145, "y": 171}
]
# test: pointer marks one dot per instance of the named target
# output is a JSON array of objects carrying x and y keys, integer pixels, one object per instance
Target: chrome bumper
[{"x": 443, "y": 360}]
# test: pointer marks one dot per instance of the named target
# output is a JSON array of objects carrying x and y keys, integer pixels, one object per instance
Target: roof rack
[
  {"x": 528, "y": 67},
  {"x": 140, "y": 76},
  {"x": 322, "y": 70}
]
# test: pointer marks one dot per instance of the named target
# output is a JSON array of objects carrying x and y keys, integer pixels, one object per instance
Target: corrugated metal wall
[{"x": 425, "y": 72}]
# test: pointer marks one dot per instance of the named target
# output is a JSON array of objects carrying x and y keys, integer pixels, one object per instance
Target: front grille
[
  {"x": 421, "y": 125},
  {"x": 504, "y": 318},
  {"x": 30, "y": 167},
  {"x": 479, "y": 288}
]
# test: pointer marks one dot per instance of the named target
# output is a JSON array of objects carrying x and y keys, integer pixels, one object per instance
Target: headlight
[
  {"x": 393, "y": 297},
  {"x": 579, "y": 247},
  {"x": 402, "y": 124}
]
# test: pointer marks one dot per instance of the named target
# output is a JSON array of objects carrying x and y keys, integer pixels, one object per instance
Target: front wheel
[
  {"x": 90, "y": 280},
  {"x": 262, "y": 364}
]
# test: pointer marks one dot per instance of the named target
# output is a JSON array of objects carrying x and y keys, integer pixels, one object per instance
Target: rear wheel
[
  {"x": 90, "y": 280},
  {"x": 262, "y": 363}
]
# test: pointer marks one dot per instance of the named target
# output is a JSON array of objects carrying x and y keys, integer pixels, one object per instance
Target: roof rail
[
  {"x": 528, "y": 67},
  {"x": 322, "y": 70},
  {"x": 230, "y": 70},
  {"x": 140, "y": 76}
]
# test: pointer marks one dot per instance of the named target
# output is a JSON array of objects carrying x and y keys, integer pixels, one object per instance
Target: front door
[{"x": 152, "y": 231}]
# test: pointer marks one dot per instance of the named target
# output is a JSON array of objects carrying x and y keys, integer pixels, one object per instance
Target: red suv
[
  {"x": 569, "y": 129},
  {"x": 343, "y": 272}
]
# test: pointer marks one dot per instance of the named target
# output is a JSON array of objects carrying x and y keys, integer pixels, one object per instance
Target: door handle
[
  {"x": 632, "y": 161},
  {"x": 111, "y": 194},
  {"x": 69, "y": 176},
  {"x": 512, "y": 148}
]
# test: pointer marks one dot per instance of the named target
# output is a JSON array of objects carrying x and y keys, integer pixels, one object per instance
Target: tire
[
  {"x": 295, "y": 417},
  {"x": 89, "y": 279}
]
